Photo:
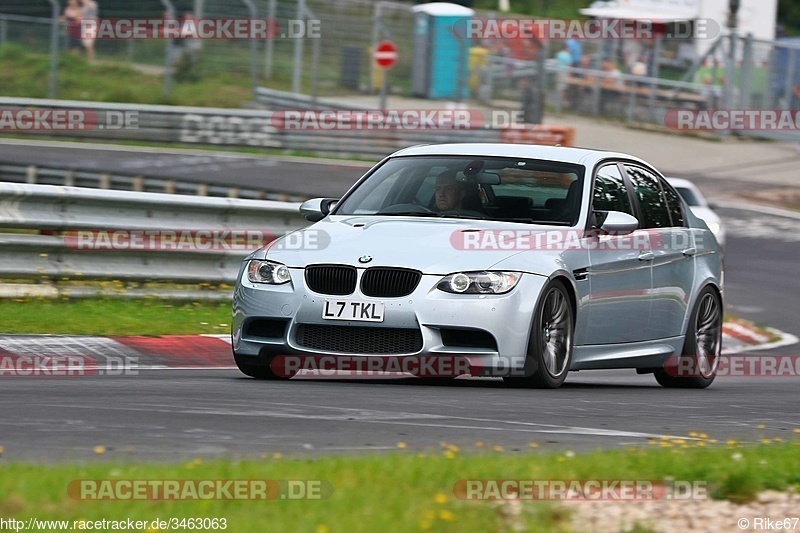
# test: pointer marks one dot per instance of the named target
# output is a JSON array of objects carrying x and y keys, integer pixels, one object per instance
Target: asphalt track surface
[
  {"x": 170, "y": 414},
  {"x": 328, "y": 177},
  {"x": 299, "y": 176}
]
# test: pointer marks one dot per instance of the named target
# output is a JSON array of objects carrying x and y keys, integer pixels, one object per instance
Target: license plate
[{"x": 353, "y": 310}]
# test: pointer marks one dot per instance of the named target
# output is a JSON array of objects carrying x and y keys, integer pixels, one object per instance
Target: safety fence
[
  {"x": 70, "y": 233},
  {"x": 37, "y": 174},
  {"x": 250, "y": 128}
]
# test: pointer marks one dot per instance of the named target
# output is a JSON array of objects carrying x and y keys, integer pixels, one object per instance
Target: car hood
[{"x": 432, "y": 246}]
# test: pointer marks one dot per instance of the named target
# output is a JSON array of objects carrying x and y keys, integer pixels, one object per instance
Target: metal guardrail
[
  {"x": 633, "y": 97},
  {"x": 236, "y": 127},
  {"x": 34, "y": 174},
  {"x": 275, "y": 99},
  {"x": 47, "y": 220}
]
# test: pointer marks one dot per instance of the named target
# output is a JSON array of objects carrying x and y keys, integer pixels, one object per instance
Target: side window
[
  {"x": 610, "y": 193},
  {"x": 651, "y": 201},
  {"x": 673, "y": 204}
]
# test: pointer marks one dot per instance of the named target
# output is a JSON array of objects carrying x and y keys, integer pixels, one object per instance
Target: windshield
[{"x": 490, "y": 188}]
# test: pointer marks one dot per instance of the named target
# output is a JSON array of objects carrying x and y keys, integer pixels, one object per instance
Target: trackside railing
[{"x": 71, "y": 233}]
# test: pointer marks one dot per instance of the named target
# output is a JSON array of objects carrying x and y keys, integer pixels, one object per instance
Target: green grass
[
  {"x": 222, "y": 80},
  {"x": 113, "y": 317},
  {"x": 25, "y": 74},
  {"x": 402, "y": 491}
]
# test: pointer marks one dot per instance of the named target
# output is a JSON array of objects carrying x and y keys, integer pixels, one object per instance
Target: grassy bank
[
  {"x": 402, "y": 491},
  {"x": 25, "y": 74},
  {"x": 113, "y": 317}
]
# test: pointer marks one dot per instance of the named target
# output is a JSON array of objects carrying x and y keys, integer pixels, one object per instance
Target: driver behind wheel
[{"x": 450, "y": 192}]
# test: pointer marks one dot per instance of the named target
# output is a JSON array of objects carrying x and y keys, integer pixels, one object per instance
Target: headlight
[
  {"x": 267, "y": 272},
  {"x": 479, "y": 282},
  {"x": 714, "y": 227}
]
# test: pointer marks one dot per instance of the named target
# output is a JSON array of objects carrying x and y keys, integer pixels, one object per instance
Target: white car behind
[{"x": 699, "y": 206}]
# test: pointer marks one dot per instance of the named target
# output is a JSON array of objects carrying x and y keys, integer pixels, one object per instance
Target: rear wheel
[
  {"x": 701, "y": 349},
  {"x": 550, "y": 341},
  {"x": 257, "y": 367}
]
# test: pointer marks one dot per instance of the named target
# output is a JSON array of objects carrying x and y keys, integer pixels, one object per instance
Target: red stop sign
[{"x": 385, "y": 54}]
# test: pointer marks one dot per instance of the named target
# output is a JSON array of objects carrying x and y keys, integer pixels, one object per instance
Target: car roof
[{"x": 584, "y": 156}]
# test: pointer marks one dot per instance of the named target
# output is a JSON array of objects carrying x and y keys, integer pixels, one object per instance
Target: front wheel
[
  {"x": 550, "y": 342},
  {"x": 697, "y": 366}
]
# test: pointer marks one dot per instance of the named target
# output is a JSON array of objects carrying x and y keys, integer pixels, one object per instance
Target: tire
[
  {"x": 257, "y": 368},
  {"x": 702, "y": 346},
  {"x": 550, "y": 341}
]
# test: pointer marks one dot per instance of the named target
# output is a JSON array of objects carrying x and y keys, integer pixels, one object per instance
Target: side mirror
[
  {"x": 619, "y": 223},
  {"x": 713, "y": 205},
  {"x": 317, "y": 208}
]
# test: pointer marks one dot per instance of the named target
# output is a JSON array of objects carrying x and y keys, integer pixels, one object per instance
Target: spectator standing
[
  {"x": 564, "y": 57},
  {"x": 710, "y": 92},
  {"x": 639, "y": 68},
  {"x": 72, "y": 16},
  {"x": 191, "y": 45},
  {"x": 89, "y": 12},
  {"x": 575, "y": 51},
  {"x": 613, "y": 74}
]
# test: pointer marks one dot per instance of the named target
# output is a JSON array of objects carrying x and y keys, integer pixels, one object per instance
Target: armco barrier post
[
  {"x": 169, "y": 53},
  {"x": 54, "y": 25}
]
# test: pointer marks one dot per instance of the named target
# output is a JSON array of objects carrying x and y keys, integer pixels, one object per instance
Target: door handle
[
  {"x": 647, "y": 256},
  {"x": 689, "y": 252}
]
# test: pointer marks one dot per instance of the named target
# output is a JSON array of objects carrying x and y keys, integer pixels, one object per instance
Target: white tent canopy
[
  {"x": 443, "y": 9},
  {"x": 653, "y": 14}
]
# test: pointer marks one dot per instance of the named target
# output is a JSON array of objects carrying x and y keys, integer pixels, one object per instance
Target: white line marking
[
  {"x": 763, "y": 209},
  {"x": 564, "y": 431}
]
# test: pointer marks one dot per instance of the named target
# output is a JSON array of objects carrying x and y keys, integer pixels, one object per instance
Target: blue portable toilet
[
  {"x": 786, "y": 65},
  {"x": 441, "y": 51}
]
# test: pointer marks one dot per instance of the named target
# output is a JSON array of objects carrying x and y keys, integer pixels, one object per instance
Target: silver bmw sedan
[{"x": 521, "y": 262}]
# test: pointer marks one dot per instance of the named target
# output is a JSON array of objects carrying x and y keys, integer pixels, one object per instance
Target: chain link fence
[{"x": 738, "y": 72}]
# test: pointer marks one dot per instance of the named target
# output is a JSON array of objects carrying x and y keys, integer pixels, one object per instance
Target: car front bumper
[{"x": 506, "y": 317}]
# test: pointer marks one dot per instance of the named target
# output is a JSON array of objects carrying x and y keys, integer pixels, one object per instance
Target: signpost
[{"x": 385, "y": 55}]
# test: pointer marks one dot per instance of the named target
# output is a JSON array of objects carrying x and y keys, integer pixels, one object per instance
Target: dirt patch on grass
[{"x": 685, "y": 515}]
